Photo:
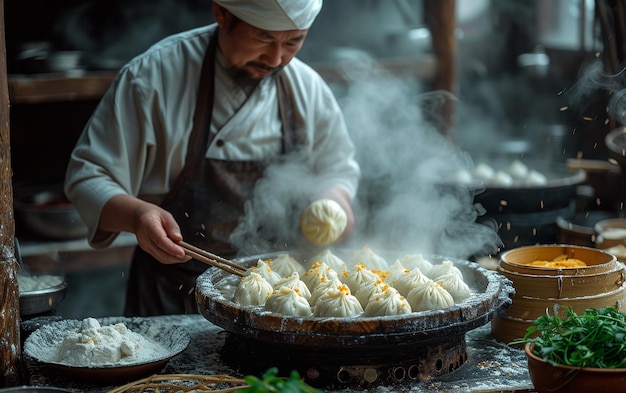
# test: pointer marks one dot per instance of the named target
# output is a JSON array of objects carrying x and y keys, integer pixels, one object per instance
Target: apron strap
[
  {"x": 285, "y": 109},
  {"x": 201, "y": 118}
]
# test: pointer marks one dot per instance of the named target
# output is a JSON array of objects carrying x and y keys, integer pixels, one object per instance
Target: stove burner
[{"x": 360, "y": 366}]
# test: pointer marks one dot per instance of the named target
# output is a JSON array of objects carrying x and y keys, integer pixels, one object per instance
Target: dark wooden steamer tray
[{"x": 348, "y": 352}]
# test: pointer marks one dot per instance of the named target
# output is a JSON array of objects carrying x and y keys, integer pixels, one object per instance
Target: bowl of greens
[{"x": 578, "y": 352}]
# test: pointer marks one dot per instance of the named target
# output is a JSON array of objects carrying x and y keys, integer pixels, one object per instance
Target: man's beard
[{"x": 243, "y": 77}]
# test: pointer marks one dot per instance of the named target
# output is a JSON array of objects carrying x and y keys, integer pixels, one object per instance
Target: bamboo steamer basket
[
  {"x": 516, "y": 260},
  {"x": 539, "y": 289},
  {"x": 548, "y": 286},
  {"x": 612, "y": 237}
]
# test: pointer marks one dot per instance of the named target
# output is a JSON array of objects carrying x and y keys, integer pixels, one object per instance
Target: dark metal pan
[{"x": 492, "y": 296}]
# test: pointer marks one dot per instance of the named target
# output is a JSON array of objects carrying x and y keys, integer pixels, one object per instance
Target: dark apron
[{"x": 207, "y": 201}]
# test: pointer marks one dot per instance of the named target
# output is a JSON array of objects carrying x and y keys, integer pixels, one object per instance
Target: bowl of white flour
[
  {"x": 40, "y": 293},
  {"x": 107, "y": 349}
]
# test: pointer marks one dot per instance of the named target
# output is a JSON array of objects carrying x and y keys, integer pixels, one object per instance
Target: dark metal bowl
[
  {"x": 49, "y": 214},
  {"x": 557, "y": 193},
  {"x": 42, "y": 300}
]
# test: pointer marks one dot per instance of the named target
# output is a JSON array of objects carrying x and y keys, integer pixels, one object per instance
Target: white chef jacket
[{"x": 136, "y": 140}]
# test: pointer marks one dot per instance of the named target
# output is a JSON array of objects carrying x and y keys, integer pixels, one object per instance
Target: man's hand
[{"x": 156, "y": 230}]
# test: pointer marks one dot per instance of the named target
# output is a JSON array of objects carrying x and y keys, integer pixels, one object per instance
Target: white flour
[
  {"x": 28, "y": 283},
  {"x": 94, "y": 345}
]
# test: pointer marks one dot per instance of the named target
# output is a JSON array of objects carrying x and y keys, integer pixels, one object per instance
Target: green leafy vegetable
[
  {"x": 596, "y": 338},
  {"x": 271, "y": 383}
]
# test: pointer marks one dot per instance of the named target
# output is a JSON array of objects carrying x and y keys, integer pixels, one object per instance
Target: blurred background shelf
[
  {"x": 81, "y": 85},
  {"x": 32, "y": 247},
  {"x": 58, "y": 87}
]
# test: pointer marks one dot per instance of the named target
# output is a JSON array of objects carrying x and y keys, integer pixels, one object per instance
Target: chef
[{"x": 175, "y": 147}]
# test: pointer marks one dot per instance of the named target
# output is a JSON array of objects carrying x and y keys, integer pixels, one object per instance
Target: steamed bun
[
  {"x": 338, "y": 302},
  {"x": 429, "y": 296},
  {"x": 323, "y": 222},
  {"x": 288, "y": 301},
  {"x": 253, "y": 290}
]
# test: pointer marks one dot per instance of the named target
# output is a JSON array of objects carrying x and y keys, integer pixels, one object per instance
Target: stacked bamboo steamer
[
  {"x": 540, "y": 289},
  {"x": 611, "y": 237}
]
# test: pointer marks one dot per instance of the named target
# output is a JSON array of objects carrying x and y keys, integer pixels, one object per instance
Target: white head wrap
[{"x": 274, "y": 15}]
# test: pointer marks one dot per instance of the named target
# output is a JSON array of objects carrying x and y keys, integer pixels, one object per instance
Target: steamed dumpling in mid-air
[
  {"x": 387, "y": 302},
  {"x": 293, "y": 281},
  {"x": 265, "y": 270},
  {"x": 429, "y": 296},
  {"x": 319, "y": 273},
  {"x": 284, "y": 265},
  {"x": 323, "y": 222},
  {"x": 358, "y": 276},
  {"x": 253, "y": 290},
  {"x": 414, "y": 278},
  {"x": 338, "y": 302},
  {"x": 288, "y": 301}
]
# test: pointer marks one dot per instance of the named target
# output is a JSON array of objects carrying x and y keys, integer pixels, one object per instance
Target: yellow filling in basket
[{"x": 558, "y": 262}]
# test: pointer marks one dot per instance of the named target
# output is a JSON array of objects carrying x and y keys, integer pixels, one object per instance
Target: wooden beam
[
  {"x": 440, "y": 16},
  {"x": 10, "y": 346}
]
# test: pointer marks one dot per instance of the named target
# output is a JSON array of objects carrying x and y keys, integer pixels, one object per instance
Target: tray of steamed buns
[{"x": 348, "y": 297}]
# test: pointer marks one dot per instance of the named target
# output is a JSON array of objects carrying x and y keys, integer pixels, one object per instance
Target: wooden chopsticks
[{"x": 212, "y": 259}]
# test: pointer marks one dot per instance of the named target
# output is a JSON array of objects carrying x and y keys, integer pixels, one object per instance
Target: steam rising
[
  {"x": 407, "y": 197},
  {"x": 594, "y": 78}
]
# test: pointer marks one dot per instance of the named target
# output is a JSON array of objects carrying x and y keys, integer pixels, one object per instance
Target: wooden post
[
  {"x": 10, "y": 346},
  {"x": 440, "y": 16}
]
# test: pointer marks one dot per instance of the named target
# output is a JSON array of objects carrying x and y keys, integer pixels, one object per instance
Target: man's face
[{"x": 254, "y": 52}]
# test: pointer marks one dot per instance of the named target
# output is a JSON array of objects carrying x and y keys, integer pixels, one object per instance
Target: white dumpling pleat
[
  {"x": 429, "y": 296},
  {"x": 253, "y": 290},
  {"x": 288, "y": 301},
  {"x": 339, "y": 303}
]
